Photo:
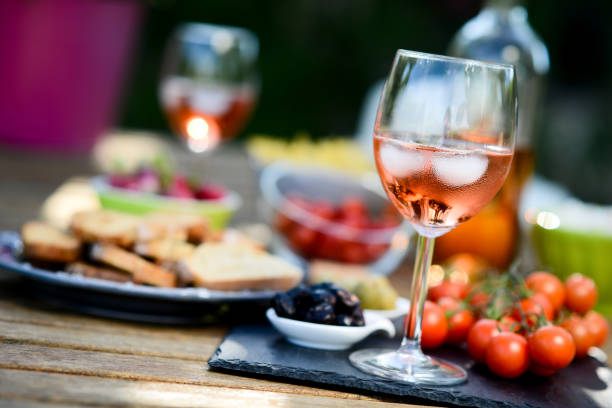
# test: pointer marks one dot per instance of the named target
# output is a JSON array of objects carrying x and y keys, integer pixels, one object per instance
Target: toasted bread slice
[
  {"x": 185, "y": 226},
  {"x": 105, "y": 226},
  {"x": 185, "y": 278},
  {"x": 234, "y": 237},
  {"x": 223, "y": 266},
  {"x": 98, "y": 272},
  {"x": 165, "y": 249},
  {"x": 142, "y": 271},
  {"x": 43, "y": 242}
]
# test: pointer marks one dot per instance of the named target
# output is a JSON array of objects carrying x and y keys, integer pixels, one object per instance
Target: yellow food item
[
  {"x": 336, "y": 153},
  {"x": 376, "y": 293}
]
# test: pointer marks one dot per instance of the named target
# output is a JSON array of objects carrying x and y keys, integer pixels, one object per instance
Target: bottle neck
[
  {"x": 507, "y": 11},
  {"x": 503, "y": 4}
]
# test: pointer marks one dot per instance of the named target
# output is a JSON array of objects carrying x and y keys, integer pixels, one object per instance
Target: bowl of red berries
[
  {"x": 150, "y": 188},
  {"x": 322, "y": 214}
]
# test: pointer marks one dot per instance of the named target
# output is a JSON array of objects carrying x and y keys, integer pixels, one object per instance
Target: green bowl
[
  {"x": 218, "y": 212},
  {"x": 565, "y": 251}
]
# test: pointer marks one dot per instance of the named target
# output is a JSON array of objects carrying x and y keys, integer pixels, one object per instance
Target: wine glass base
[{"x": 412, "y": 368}]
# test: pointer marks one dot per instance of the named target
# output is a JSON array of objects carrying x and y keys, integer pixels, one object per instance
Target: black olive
[
  {"x": 357, "y": 316},
  {"x": 283, "y": 305},
  {"x": 323, "y": 285},
  {"x": 345, "y": 302},
  {"x": 322, "y": 296},
  {"x": 321, "y": 313},
  {"x": 344, "y": 320},
  {"x": 301, "y": 297},
  {"x": 300, "y": 290}
]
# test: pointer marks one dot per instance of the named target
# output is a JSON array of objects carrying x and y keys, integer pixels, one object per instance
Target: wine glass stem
[{"x": 412, "y": 335}]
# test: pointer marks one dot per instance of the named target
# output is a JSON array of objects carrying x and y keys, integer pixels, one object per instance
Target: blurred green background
[{"x": 319, "y": 57}]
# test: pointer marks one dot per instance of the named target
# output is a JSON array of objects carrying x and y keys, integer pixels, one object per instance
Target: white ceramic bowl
[
  {"x": 281, "y": 180},
  {"x": 329, "y": 337}
]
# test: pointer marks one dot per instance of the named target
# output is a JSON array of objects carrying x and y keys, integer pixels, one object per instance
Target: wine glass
[
  {"x": 209, "y": 83},
  {"x": 443, "y": 144}
]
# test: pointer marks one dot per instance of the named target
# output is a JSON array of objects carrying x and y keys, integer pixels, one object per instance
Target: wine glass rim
[
  {"x": 466, "y": 61},
  {"x": 194, "y": 29}
]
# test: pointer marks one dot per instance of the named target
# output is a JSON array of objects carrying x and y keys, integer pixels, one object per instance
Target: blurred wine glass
[{"x": 209, "y": 83}]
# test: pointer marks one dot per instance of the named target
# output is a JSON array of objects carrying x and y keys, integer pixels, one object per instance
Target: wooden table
[{"x": 51, "y": 357}]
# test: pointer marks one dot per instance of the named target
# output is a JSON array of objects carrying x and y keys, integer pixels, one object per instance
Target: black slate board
[{"x": 259, "y": 349}]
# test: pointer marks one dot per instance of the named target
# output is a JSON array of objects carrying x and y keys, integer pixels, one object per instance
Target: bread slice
[
  {"x": 165, "y": 250},
  {"x": 223, "y": 266},
  {"x": 184, "y": 277},
  {"x": 185, "y": 226},
  {"x": 105, "y": 226},
  {"x": 98, "y": 272},
  {"x": 234, "y": 237},
  {"x": 141, "y": 270},
  {"x": 43, "y": 242}
]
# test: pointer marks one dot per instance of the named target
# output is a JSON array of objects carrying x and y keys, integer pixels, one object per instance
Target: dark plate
[{"x": 129, "y": 301}]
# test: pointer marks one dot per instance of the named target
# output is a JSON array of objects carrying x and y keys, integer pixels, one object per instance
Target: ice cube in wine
[{"x": 436, "y": 188}]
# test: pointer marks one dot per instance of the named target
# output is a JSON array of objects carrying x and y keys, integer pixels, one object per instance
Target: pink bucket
[{"x": 62, "y": 65}]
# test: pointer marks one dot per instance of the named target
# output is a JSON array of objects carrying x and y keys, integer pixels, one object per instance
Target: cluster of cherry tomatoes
[
  {"x": 344, "y": 232},
  {"x": 512, "y": 325}
]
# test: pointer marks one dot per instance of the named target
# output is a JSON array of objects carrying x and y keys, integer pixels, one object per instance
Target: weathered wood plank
[
  {"x": 23, "y": 403},
  {"x": 128, "y": 367},
  {"x": 75, "y": 389},
  {"x": 198, "y": 348},
  {"x": 18, "y": 306}
]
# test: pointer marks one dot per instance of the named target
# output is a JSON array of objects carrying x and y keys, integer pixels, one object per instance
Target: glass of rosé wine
[
  {"x": 443, "y": 145},
  {"x": 209, "y": 83}
]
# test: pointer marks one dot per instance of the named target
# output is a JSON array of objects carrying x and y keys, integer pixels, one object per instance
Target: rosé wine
[
  {"x": 436, "y": 188},
  {"x": 206, "y": 116}
]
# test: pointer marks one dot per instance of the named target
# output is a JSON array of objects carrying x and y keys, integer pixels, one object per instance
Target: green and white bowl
[
  {"x": 577, "y": 237},
  {"x": 218, "y": 212}
]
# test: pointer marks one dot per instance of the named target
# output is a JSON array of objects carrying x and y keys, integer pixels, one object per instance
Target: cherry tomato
[
  {"x": 449, "y": 304},
  {"x": 303, "y": 239},
  {"x": 460, "y": 320},
  {"x": 354, "y": 207},
  {"x": 511, "y": 323},
  {"x": 552, "y": 347},
  {"x": 548, "y": 285},
  {"x": 355, "y": 221},
  {"x": 328, "y": 247},
  {"x": 583, "y": 339},
  {"x": 581, "y": 293},
  {"x": 455, "y": 290},
  {"x": 507, "y": 355},
  {"x": 480, "y": 335},
  {"x": 323, "y": 212},
  {"x": 531, "y": 308},
  {"x": 479, "y": 299},
  {"x": 354, "y": 252},
  {"x": 544, "y": 303},
  {"x": 598, "y": 327},
  {"x": 434, "y": 326}
]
